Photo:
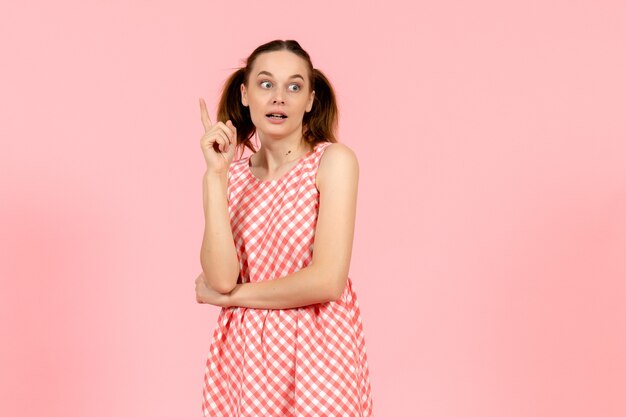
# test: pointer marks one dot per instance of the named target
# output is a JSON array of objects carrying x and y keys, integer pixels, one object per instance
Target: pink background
[{"x": 489, "y": 256}]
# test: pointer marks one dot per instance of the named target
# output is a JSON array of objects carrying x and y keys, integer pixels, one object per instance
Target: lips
[{"x": 278, "y": 114}]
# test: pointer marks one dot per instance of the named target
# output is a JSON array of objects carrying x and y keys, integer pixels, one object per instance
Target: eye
[
  {"x": 263, "y": 82},
  {"x": 296, "y": 85}
]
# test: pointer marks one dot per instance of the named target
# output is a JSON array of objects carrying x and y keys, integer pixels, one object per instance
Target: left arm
[
  {"x": 325, "y": 278},
  {"x": 309, "y": 285}
]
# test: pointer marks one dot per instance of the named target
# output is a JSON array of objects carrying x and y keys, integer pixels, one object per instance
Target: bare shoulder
[{"x": 337, "y": 161}]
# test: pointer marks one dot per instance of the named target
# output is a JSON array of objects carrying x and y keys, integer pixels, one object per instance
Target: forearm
[
  {"x": 304, "y": 287},
  {"x": 218, "y": 255}
]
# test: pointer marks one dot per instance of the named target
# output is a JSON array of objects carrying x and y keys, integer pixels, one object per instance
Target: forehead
[{"x": 282, "y": 64}]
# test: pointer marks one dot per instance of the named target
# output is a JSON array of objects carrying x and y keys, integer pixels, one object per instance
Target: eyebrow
[{"x": 271, "y": 75}]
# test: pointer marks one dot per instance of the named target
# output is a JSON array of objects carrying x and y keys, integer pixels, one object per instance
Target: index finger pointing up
[{"x": 204, "y": 115}]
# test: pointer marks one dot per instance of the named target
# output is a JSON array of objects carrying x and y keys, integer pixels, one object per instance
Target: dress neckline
[{"x": 285, "y": 175}]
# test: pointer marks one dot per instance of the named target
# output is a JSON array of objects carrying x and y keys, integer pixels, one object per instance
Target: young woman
[{"x": 278, "y": 235}]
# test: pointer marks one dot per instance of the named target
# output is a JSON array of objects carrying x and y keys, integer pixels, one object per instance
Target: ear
[
  {"x": 244, "y": 95},
  {"x": 309, "y": 104}
]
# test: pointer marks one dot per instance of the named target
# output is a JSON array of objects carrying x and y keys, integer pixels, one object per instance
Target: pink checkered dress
[{"x": 300, "y": 362}]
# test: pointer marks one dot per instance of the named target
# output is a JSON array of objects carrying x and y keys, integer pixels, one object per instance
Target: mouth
[{"x": 276, "y": 115}]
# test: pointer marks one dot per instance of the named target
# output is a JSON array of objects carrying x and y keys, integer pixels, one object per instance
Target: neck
[
  {"x": 274, "y": 155},
  {"x": 275, "y": 152}
]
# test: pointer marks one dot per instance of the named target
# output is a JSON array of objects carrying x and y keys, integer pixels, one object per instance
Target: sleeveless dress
[{"x": 307, "y": 361}]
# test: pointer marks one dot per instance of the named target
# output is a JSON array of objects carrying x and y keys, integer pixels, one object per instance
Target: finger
[
  {"x": 230, "y": 133},
  {"x": 225, "y": 141},
  {"x": 215, "y": 138},
  {"x": 204, "y": 116},
  {"x": 230, "y": 124},
  {"x": 218, "y": 139}
]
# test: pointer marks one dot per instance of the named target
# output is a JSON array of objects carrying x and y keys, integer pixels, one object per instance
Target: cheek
[
  {"x": 257, "y": 111},
  {"x": 256, "y": 103}
]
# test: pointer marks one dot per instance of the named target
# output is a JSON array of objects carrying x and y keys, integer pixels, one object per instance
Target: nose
[{"x": 278, "y": 98}]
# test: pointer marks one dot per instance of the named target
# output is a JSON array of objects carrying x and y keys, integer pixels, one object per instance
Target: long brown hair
[{"x": 318, "y": 125}]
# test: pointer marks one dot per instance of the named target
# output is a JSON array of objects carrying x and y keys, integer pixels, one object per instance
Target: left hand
[{"x": 207, "y": 295}]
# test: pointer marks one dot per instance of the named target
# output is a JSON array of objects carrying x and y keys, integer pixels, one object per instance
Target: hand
[
  {"x": 218, "y": 142},
  {"x": 207, "y": 295}
]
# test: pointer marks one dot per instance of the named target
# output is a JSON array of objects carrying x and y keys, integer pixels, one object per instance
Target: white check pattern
[{"x": 300, "y": 362}]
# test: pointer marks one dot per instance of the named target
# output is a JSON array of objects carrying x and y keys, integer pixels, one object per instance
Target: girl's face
[{"x": 278, "y": 83}]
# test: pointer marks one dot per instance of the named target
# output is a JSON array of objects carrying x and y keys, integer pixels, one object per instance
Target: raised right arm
[{"x": 218, "y": 255}]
